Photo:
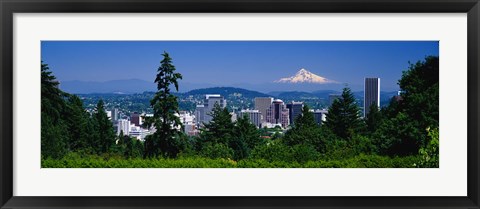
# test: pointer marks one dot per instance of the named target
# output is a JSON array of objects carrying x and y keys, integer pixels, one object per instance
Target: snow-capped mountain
[{"x": 305, "y": 76}]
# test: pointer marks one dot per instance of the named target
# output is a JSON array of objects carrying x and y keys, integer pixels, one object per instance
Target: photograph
[{"x": 239, "y": 104}]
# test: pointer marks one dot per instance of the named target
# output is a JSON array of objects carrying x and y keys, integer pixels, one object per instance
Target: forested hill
[{"x": 224, "y": 91}]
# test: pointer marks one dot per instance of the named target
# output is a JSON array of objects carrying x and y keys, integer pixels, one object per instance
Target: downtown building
[
  {"x": 295, "y": 109},
  {"x": 278, "y": 113},
  {"x": 128, "y": 128},
  {"x": 371, "y": 94},
  {"x": 319, "y": 116},
  {"x": 262, "y": 104},
  {"x": 114, "y": 114},
  {"x": 255, "y": 116},
  {"x": 188, "y": 122},
  {"x": 203, "y": 112},
  {"x": 135, "y": 118}
]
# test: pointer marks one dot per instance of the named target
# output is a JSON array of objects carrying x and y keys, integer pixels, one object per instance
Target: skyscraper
[
  {"x": 278, "y": 113},
  {"x": 202, "y": 113},
  {"x": 262, "y": 104},
  {"x": 199, "y": 114},
  {"x": 114, "y": 114},
  {"x": 123, "y": 126},
  {"x": 371, "y": 94},
  {"x": 295, "y": 109}
]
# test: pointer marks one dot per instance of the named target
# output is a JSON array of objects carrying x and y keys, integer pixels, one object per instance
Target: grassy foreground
[{"x": 361, "y": 161}]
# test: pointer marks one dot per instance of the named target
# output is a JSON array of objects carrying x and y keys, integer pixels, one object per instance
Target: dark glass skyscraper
[
  {"x": 295, "y": 109},
  {"x": 371, "y": 94}
]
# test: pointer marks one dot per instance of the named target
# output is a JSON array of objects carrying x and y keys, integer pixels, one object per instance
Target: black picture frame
[{"x": 10, "y": 7}]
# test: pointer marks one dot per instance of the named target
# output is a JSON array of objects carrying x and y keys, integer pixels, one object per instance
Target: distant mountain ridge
[
  {"x": 127, "y": 86},
  {"x": 226, "y": 91},
  {"x": 137, "y": 86},
  {"x": 385, "y": 96}
]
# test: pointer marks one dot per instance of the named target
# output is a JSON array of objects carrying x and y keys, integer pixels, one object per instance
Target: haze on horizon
[{"x": 250, "y": 64}]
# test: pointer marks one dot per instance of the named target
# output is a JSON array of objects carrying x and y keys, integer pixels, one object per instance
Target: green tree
[
  {"x": 52, "y": 103},
  {"x": 404, "y": 132},
  {"x": 77, "y": 121},
  {"x": 220, "y": 128},
  {"x": 343, "y": 116},
  {"x": 245, "y": 138},
  {"x": 248, "y": 131},
  {"x": 54, "y": 138},
  {"x": 216, "y": 150},
  {"x": 420, "y": 97},
  {"x": 306, "y": 132},
  {"x": 53, "y": 129},
  {"x": 398, "y": 136},
  {"x": 137, "y": 148},
  {"x": 167, "y": 140},
  {"x": 373, "y": 119},
  {"x": 273, "y": 151},
  {"x": 104, "y": 128},
  {"x": 306, "y": 119},
  {"x": 133, "y": 147}
]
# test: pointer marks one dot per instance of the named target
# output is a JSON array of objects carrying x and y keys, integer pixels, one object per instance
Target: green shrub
[
  {"x": 273, "y": 151},
  {"x": 307, "y": 160},
  {"x": 430, "y": 153},
  {"x": 216, "y": 150},
  {"x": 303, "y": 153}
]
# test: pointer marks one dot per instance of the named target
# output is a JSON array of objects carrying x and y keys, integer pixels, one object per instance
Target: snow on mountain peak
[{"x": 305, "y": 76}]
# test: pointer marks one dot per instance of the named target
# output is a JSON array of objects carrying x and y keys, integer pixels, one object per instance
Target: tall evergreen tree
[
  {"x": 168, "y": 139},
  {"x": 53, "y": 137},
  {"x": 245, "y": 138},
  {"x": 53, "y": 129},
  {"x": 104, "y": 128},
  {"x": 52, "y": 103},
  {"x": 373, "y": 119},
  {"x": 343, "y": 117},
  {"x": 220, "y": 128},
  {"x": 306, "y": 119},
  {"x": 77, "y": 121},
  {"x": 306, "y": 132},
  {"x": 248, "y": 131}
]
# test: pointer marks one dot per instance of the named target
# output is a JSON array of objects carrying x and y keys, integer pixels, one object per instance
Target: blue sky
[{"x": 235, "y": 62}]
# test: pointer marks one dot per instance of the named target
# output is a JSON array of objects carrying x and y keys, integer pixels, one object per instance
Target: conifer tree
[
  {"x": 306, "y": 132},
  {"x": 306, "y": 119},
  {"x": 220, "y": 128},
  {"x": 245, "y": 138},
  {"x": 52, "y": 97},
  {"x": 104, "y": 127},
  {"x": 246, "y": 130},
  {"x": 373, "y": 119},
  {"x": 77, "y": 121},
  {"x": 53, "y": 129},
  {"x": 167, "y": 141},
  {"x": 343, "y": 117}
]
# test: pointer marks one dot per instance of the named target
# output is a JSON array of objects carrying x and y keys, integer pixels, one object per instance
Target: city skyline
[
  {"x": 226, "y": 127},
  {"x": 246, "y": 64}
]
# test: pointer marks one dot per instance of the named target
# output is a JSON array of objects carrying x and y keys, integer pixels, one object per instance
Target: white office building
[{"x": 255, "y": 116}]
